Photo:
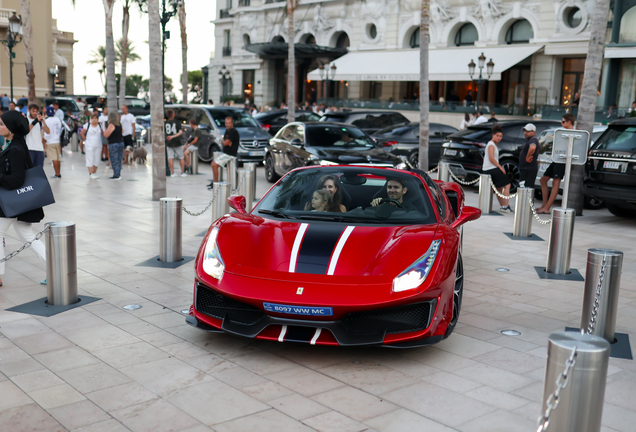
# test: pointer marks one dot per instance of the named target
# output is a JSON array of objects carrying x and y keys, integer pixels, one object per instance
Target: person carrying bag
[{"x": 15, "y": 170}]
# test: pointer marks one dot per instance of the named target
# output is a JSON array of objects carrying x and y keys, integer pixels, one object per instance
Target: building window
[
  {"x": 519, "y": 32},
  {"x": 278, "y": 39},
  {"x": 628, "y": 27},
  {"x": 573, "y": 69},
  {"x": 573, "y": 17},
  {"x": 343, "y": 41},
  {"x": 309, "y": 39},
  {"x": 466, "y": 35},
  {"x": 414, "y": 42},
  {"x": 227, "y": 43},
  {"x": 372, "y": 31},
  {"x": 248, "y": 85},
  {"x": 246, "y": 40}
]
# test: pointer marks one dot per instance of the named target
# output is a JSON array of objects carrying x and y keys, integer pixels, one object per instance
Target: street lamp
[
  {"x": 53, "y": 72},
  {"x": 489, "y": 70},
  {"x": 325, "y": 76},
  {"x": 224, "y": 76},
  {"x": 14, "y": 36}
]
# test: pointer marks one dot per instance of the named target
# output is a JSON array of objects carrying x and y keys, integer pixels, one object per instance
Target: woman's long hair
[
  {"x": 113, "y": 118},
  {"x": 337, "y": 196},
  {"x": 326, "y": 196}
]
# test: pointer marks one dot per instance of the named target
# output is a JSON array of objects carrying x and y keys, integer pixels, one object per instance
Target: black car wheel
[
  {"x": 621, "y": 211},
  {"x": 414, "y": 159},
  {"x": 512, "y": 169},
  {"x": 213, "y": 148},
  {"x": 270, "y": 172},
  {"x": 458, "y": 292},
  {"x": 592, "y": 203}
]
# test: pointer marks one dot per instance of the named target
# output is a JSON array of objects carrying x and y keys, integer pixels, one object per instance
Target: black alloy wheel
[
  {"x": 458, "y": 291},
  {"x": 591, "y": 203},
  {"x": 211, "y": 149},
  {"x": 414, "y": 159},
  {"x": 270, "y": 172},
  {"x": 512, "y": 169}
]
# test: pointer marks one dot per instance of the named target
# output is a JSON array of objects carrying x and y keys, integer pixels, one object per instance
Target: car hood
[
  {"x": 313, "y": 251},
  {"x": 353, "y": 155},
  {"x": 250, "y": 133}
]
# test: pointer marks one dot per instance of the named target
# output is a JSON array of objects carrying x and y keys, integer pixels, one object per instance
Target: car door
[
  {"x": 298, "y": 156},
  {"x": 279, "y": 148},
  {"x": 205, "y": 125}
]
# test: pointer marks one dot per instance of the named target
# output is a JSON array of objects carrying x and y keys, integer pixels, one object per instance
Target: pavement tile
[
  {"x": 37, "y": 380},
  {"x": 23, "y": 328},
  {"x": 510, "y": 360},
  {"x": 78, "y": 414},
  {"x": 368, "y": 376},
  {"x": 101, "y": 337},
  {"x": 183, "y": 350},
  {"x": 405, "y": 421},
  {"x": 297, "y": 406},
  {"x": 121, "y": 396},
  {"x": 64, "y": 359},
  {"x": 12, "y": 396},
  {"x": 132, "y": 354},
  {"x": 110, "y": 425},
  {"x": 439, "y": 359},
  {"x": 20, "y": 367},
  {"x": 452, "y": 382},
  {"x": 238, "y": 377},
  {"x": 263, "y": 363},
  {"x": 165, "y": 320},
  {"x": 56, "y": 396},
  {"x": 160, "y": 338},
  {"x": 42, "y": 342},
  {"x": 267, "y": 391},
  {"x": 266, "y": 421},
  {"x": 156, "y": 415},
  {"x": 93, "y": 377},
  {"x": 497, "y": 398},
  {"x": 29, "y": 417},
  {"x": 498, "y": 421},
  {"x": 354, "y": 403},
  {"x": 334, "y": 422},
  {"x": 209, "y": 363},
  {"x": 494, "y": 377},
  {"x": 304, "y": 381},
  {"x": 13, "y": 354},
  {"x": 466, "y": 346}
]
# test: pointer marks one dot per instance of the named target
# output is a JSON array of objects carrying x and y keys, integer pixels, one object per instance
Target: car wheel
[
  {"x": 414, "y": 159},
  {"x": 512, "y": 169},
  {"x": 621, "y": 211},
  {"x": 458, "y": 292},
  {"x": 270, "y": 172},
  {"x": 213, "y": 148},
  {"x": 592, "y": 203}
]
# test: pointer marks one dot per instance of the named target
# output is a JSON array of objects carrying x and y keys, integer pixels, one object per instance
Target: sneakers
[
  {"x": 211, "y": 185},
  {"x": 115, "y": 178},
  {"x": 94, "y": 176},
  {"x": 43, "y": 281},
  {"x": 173, "y": 175},
  {"x": 57, "y": 176},
  {"x": 506, "y": 209},
  {"x": 184, "y": 175}
]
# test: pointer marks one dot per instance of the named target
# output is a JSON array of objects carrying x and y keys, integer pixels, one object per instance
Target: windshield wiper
[{"x": 276, "y": 213}]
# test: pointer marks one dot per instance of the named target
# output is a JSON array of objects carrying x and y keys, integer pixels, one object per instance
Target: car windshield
[
  {"x": 618, "y": 138},
  {"x": 472, "y": 133},
  {"x": 241, "y": 118},
  {"x": 319, "y": 135},
  {"x": 345, "y": 195}
]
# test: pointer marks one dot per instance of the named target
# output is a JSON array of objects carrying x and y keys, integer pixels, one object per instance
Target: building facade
[
  {"x": 538, "y": 48},
  {"x": 52, "y": 50}
]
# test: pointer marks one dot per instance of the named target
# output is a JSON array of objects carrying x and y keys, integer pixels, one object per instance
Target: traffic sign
[{"x": 580, "y": 146}]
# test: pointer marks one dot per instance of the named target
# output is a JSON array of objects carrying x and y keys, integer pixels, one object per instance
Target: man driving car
[{"x": 396, "y": 190}]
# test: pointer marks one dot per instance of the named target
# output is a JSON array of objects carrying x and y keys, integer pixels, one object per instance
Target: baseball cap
[
  {"x": 50, "y": 111},
  {"x": 530, "y": 127}
]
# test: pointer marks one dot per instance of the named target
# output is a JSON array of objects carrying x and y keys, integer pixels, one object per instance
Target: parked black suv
[
  {"x": 610, "y": 171},
  {"x": 369, "y": 121},
  {"x": 464, "y": 150},
  {"x": 273, "y": 121}
]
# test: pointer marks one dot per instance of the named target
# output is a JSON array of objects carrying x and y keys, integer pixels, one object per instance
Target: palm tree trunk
[
  {"x": 156, "y": 103},
  {"x": 589, "y": 93},
  {"x": 125, "y": 24},
  {"x": 291, "y": 64},
  {"x": 111, "y": 80},
  {"x": 27, "y": 41},
  {"x": 424, "y": 90},
  {"x": 184, "y": 52}
]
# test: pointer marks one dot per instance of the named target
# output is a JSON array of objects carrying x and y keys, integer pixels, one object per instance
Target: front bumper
[
  {"x": 623, "y": 196},
  {"x": 254, "y": 155}
]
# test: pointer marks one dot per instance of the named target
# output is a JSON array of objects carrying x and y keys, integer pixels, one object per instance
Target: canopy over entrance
[{"x": 301, "y": 50}]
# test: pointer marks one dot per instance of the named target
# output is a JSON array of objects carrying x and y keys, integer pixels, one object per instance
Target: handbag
[{"x": 34, "y": 193}]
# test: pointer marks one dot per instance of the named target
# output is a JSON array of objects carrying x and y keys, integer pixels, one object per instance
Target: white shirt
[
  {"x": 487, "y": 164},
  {"x": 481, "y": 119},
  {"x": 59, "y": 114},
  {"x": 34, "y": 138},
  {"x": 93, "y": 135},
  {"x": 103, "y": 119},
  {"x": 55, "y": 128},
  {"x": 127, "y": 121},
  {"x": 464, "y": 124}
]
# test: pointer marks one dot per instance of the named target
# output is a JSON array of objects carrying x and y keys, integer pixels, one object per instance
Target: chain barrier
[
  {"x": 240, "y": 183},
  {"x": 461, "y": 181},
  {"x": 216, "y": 192},
  {"x": 500, "y": 195},
  {"x": 553, "y": 399},
  {"x": 25, "y": 246},
  {"x": 433, "y": 170},
  {"x": 536, "y": 216},
  {"x": 597, "y": 297}
]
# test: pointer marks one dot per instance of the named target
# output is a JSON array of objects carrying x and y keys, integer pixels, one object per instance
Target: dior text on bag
[{"x": 34, "y": 193}]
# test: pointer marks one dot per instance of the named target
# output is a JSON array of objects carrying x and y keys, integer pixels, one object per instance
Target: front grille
[
  {"x": 218, "y": 306},
  {"x": 401, "y": 319},
  {"x": 254, "y": 144}
]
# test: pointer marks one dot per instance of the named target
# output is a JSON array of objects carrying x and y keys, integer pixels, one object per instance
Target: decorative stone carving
[
  {"x": 488, "y": 11},
  {"x": 440, "y": 12},
  {"x": 321, "y": 23}
]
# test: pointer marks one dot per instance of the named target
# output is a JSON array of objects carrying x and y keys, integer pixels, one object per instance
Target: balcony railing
[
  {"x": 227, "y": 51},
  {"x": 224, "y": 13},
  {"x": 244, "y": 3},
  {"x": 274, "y": 1}
]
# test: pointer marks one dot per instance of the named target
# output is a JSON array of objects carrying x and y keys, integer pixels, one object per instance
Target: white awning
[
  {"x": 620, "y": 52},
  {"x": 447, "y": 64}
]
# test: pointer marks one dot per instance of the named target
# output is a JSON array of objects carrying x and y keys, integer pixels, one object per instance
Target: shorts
[
  {"x": 528, "y": 176},
  {"x": 221, "y": 159},
  {"x": 37, "y": 157},
  {"x": 555, "y": 171},
  {"x": 128, "y": 141},
  {"x": 93, "y": 154},
  {"x": 175, "y": 152},
  {"x": 104, "y": 140},
  {"x": 498, "y": 178},
  {"x": 53, "y": 151}
]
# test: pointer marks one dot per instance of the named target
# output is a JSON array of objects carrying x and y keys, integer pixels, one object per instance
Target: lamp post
[
  {"x": 224, "y": 76},
  {"x": 14, "y": 36},
  {"x": 53, "y": 72},
  {"x": 471, "y": 71},
  {"x": 324, "y": 75}
]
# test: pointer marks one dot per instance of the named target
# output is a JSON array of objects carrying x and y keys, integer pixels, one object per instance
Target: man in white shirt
[
  {"x": 34, "y": 137},
  {"x": 128, "y": 127},
  {"x": 58, "y": 112},
  {"x": 53, "y": 147},
  {"x": 103, "y": 121},
  {"x": 480, "y": 118}
]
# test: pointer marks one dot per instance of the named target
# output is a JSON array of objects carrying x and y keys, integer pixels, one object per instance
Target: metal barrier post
[
  {"x": 194, "y": 161},
  {"x": 220, "y": 207},
  {"x": 602, "y": 280},
  {"x": 170, "y": 212},
  {"x": 74, "y": 143},
  {"x": 485, "y": 194},
  {"x": 560, "y": 241},
  {"x": 61, "y": 264},
  {"x": 230, "y": 167},
  {"x": 252, "y": 167},
  {"x": 523, "y": 215},
  {"x": 576, "y": 399},
  {"x": 245, "y": 187},
  {"x": 140, "y": 142},
  {"x": 443, "y": 172}
]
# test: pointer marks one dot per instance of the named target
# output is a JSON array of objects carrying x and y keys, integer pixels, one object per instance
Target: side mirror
[
  {"x": 466, "y": 214},
  {"x": 297, "y": 143},
  {"x": 238, "y": 203}
]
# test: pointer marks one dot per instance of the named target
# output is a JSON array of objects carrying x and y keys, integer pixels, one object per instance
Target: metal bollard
[
  {"x": 523, "y": 214},
  {"x": 170, "y": 222},
  {"x": 230, "y": 167},
  {"x": 443, "y": 172},
  {"x": 194, "y": 161},
  {"x": 140, "y": 142},
  {"x": 74, "y": 143},
  {"x": 580, "y": 401},
  {"x": 485, "y": 194},
  {"x": 605, "y": 322},
  {"x": 252, "y": 167},
  {"x": 246, "y": 187},
  {"x": 560, "y": 241},
  {"x": 61, "y": 264},
  {"x": 220, "y": 206}
]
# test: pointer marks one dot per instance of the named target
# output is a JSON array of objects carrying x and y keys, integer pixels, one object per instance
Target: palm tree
[
  {"x": 156, "y": 102},
  {"x": 99, "y": 58},
  {"x": 184, "y": 51},
  {"x": 123, "y": 46},
  {"x": 424, "y": 90},
  {"x": 291, "y": 63},
  {"x": 111, "y": 82},
  {"x": 25, "y": 10},
  {"x": 589, "y": 93}
]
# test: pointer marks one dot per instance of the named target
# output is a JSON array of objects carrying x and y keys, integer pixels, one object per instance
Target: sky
[{"x": 87, "y": 23}]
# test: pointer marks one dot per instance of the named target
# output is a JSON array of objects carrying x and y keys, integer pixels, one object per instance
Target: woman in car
[
  {"x": 497, "y": 173},
  {"x": 331, "y": 183}
]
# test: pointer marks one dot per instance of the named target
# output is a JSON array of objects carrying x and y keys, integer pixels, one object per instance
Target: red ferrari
[{"x": 337, "y": 255}]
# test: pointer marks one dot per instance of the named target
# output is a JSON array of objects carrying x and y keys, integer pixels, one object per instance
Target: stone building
[{"x": 538, "y": 48}]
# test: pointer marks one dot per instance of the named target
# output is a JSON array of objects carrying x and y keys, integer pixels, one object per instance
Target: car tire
[
  {"x": 270, "y": 172},
  {"x": 414, "y": 159},
  {"x": 458, "y": 292},
  {"x": 621, "y": 211},
  {"x": 512, "y": 169},
  {"x": 213, "y": 148},
  {"x": 591, "y": 203}
]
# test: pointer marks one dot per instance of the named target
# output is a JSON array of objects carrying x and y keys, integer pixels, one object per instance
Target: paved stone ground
[{"x": 102, "y": 368}]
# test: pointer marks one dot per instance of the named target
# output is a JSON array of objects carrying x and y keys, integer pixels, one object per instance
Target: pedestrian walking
[
  {"x": 52, "y": 145},
  {"x": 128, "y": 127},
  {"x": 92, "y": 136},
  {"x": 529, "y": 157},
  {"x": 230, "y": 144},
  {"x": 173, "y": 143},
  {"x": 497, "y": 173},
  {"x": 103, "y": 120},
  {"x": 195, "y": 138},
  {"x": 115, "y": 144},
  {"x": 556, "y": 172},
  {"x": 14, "y": 161},
  {"x": 84, "y": 118},
  {"x": 34, "y": 137}
]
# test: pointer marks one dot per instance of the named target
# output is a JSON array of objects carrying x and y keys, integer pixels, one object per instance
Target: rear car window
[
  {"x": 473, "y": 134},
  {"x": 618, "y": 138}
]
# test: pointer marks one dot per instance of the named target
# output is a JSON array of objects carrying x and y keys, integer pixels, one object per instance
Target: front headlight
[
  {"x": 212, "y": 261},
  {"x": 417, "y": 272}
]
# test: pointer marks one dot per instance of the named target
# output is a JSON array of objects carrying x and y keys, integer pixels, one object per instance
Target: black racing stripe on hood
[{"x": 317, "y": 247}]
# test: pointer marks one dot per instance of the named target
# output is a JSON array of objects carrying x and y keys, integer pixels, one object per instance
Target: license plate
[
  {"x": 611, "y": 165},
  {"x": 298, "y": 310},
  {"x": 544, "y": 166},
  {"x": 257, "y": 153},
  {"x": 449, "y": 152}
]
